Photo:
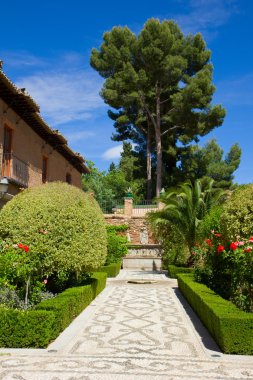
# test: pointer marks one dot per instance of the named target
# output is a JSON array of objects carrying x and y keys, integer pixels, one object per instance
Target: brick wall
[{"x": 136, "y": 225}]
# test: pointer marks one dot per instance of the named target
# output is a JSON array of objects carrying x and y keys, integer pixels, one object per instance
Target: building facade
[{"x": 31, "y": 153}]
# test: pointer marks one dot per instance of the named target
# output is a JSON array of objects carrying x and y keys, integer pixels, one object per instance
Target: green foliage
[
  {"x": 210, "y": 222},
  {"x": 63, "y": 227},
  {"x": 33, "y": 328},
  {"x": 111, "y": 187},
  {"x": 175, "y": 250},
  {"x": 227, "y": 269},
  {"x": 119, "y": 228},
  {"x": 112, "y": 270},
  {"x": 237, "y": 217},
  {"x": 94, "y": 182},
  {"x": 66, "y": 306},
  {"x": 161, "y": 81},
  {"x": 197, "y": 162},
  {"x": 116, "y": 244},
  {"x": 98, "y": 282},
  {"x": 185, "y": 207},
  {"x": 14, "y": 299},
  {"x": 230, "y": 327},
  {"x": 173, "y": 270}
]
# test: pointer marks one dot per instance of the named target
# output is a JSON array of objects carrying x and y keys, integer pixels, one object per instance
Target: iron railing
[
  {"x": 140, "y": 208},
  {"x": 111, "y": 206},
  {"x": 116, "y": 206},
  {"x": 15, "y": 169}
]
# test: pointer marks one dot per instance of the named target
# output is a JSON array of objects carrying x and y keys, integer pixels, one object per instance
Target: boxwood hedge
[
  {"x": 112, "y": 270},
  {"x": 37, "y": 328},
  {"x": 231, "y": 328},
  {"x": 173, "y": 270}
]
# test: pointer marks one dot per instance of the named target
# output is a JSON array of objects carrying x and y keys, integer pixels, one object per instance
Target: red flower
[
  {"x": 220, "y": 248},
  {"x": 217, "y": 235},
  {"x": 24, "y": 247},
  {"x": 208, "y": 241},
  {"x": 249, "y": 249},
  {"x": 251, "y": 239},
  {"x": 234, "y": 245}
]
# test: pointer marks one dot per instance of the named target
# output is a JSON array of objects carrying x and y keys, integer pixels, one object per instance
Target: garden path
[{"x": 131, "y": 331}]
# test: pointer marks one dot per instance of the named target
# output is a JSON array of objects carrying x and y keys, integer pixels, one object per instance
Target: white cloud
[
  {"x": 112, "y": 153},
  {"x": 65, "y": 96},
  {"x": 22, "y": 58},
  {"x": 206, "y": 16},
  {"x": 73, "y": 137}
]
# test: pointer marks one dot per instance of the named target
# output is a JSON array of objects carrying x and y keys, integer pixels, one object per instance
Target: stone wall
[{"x": 138, "y": 232}]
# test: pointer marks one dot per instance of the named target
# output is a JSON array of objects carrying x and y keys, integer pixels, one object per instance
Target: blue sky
[{"x": 45, "y": 46}]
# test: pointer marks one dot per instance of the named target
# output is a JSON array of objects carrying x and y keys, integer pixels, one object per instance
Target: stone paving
[{"x": 131, "y": 331}]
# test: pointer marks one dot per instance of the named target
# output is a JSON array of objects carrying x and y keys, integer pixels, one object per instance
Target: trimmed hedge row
[
  {"x": 173, "y": 270},
  {"x": 231, "y": 328},
  {"x": 37, "y": 328},
  {"x": 112, "y": 270}
]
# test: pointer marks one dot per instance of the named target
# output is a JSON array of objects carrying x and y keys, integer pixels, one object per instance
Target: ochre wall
[{"x": 30, "y": 147}]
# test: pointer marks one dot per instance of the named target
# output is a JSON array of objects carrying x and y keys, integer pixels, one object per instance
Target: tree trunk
[
  {"x": 157, "y": 127},
  {"x": 149, "y": 164},
  {"x": 158, "y": 145},
  {"x": 27, "y": 291}
]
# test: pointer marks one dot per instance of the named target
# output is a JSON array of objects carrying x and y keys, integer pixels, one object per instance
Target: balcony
[{"x": 16, "y": 170}]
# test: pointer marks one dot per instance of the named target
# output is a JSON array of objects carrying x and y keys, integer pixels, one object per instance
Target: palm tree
[{"x": 185, "y": 206}]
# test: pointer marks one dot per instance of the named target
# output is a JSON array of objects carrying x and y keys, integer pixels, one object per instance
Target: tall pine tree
[{"x": 160, "y": 80}]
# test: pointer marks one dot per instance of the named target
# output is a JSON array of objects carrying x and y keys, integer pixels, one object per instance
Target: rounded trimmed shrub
[
  {"x": 237, "y": 216},
  {"x": 63, "y": 227}
]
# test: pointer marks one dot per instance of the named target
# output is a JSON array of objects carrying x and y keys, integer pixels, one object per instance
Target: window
[
  {"x": 44, "y": 169},
  {"x": 7, "y": 147},
  {"x": 68, "y": 178}
]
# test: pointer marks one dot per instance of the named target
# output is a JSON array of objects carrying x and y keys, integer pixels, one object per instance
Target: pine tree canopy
[{"x": 159, "y": 84}]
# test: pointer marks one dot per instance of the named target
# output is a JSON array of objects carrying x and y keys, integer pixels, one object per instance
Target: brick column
[{"x": 128, "y": 206}]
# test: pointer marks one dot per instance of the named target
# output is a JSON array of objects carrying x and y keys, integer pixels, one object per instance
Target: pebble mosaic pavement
[{"x": 131, "y": 331}]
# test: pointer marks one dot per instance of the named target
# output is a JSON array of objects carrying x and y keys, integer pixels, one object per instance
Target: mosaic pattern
[
  {"x": 140, "y": 321},
  {"x": 133, "y": 332},
  {"x": 91, "y": 368}
]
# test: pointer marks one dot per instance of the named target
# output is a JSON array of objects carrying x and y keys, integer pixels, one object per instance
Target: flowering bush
[
  {"x": 50, "y": 233},
  {"x": 227, "y": 269},
  {"x": 21, "y": 278}
]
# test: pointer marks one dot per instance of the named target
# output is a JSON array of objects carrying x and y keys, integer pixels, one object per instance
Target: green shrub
[
  {"x": 112, "y": 270},
  {"x": 237, "y": 217},
  {"x": 175, "y": 251},
  {"x": 98, "y": 282},
  {"x": 173, "y": 270},
  {"x": 211, "y": 221},
  {"x": 231, "y": 328},
  {"x": 37, "y": 328},
  {"x": 67, "y": 305},
  {"x": 63, "y": 227},
  {"x": 26, "y": 328},
  {"x": 116, "y": 244}
]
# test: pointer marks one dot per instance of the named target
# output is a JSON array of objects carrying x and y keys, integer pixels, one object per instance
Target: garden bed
[
  {"x": 231, "y": 328},
  {"x": 38, "y": 327}
]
